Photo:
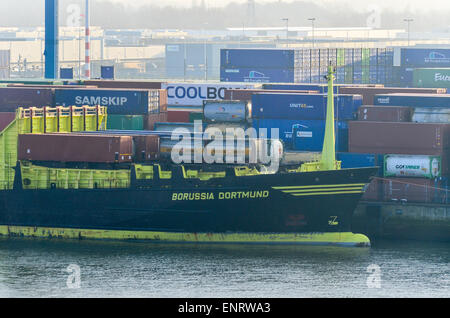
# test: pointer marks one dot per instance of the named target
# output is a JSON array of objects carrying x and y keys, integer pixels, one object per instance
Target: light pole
[
  {"x": 204, "y": 51},
  {"x": 287, "y": 30},
  {"x": 312, "y": 27},
  {"x": 408, "y": 20}
]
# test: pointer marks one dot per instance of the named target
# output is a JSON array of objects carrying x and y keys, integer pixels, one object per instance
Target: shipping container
[
  {"x": 309, "y": 134},
  {"x": 193, "y": 116},
  {"x": 124, "y": 84},
  {"x": 256, "y": 75},
  {"x": 385, "y": 113},
  {"x": 412, "y": 166},
  {"x": 6, "y": 119},
  {"x": 354, "y": 66},
  {"x": 369, "y": 93},
  {"x": 146, "y": 148},
  {"x": 226, "y": 111},
  {"x": 75, "y": 148},
  {"x": 413, "y": 100},
  {"x": 125, "y": 122},
  {"x": 321, "y": 88},
  {"x": 398, "y": 138},
  {"x": 247, "y": 94},
  {"x": 431, "y": 77},
  {"x": 351, "y": 160},
  {"x": 431, "y": 115},
  {"x": 303, "y": 106},
  {"x": 12, "y": 98},
  {"x": 425, "y": 57},
  {"x": 193, "y": 94},
  {"x": 151, "y": 119},
  {"x": 118, "y": 102},
  {"x": 178, "y": 116},
  {"x": 265, "y": 58}
]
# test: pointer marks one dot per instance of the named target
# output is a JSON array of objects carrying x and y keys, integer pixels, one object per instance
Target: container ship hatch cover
[{"x": 311, "y": 204}]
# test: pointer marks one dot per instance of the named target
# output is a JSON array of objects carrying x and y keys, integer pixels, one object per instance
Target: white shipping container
[
  {"x": 193, "y": 94},
  {"x": 412, "y": 166},
  {"x": 431, "y": 115}
]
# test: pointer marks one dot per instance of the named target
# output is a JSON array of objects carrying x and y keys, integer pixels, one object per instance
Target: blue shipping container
[
  {"x": 256, "y": 75},
  {"x": 309, "y": 133},
  {"x": 413, "y": 100},
  {"x": 257, "y": 58},
  {"x": 107, "y": 72},
  {"x": 303, "y": 106},
  {"x": 359, "y": 160},
  {"x": 118, "y": 102},
  {"x": 425, "y": 57}
]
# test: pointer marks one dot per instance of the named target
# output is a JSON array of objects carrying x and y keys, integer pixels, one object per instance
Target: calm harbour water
[{"x": 39, "y": 268}]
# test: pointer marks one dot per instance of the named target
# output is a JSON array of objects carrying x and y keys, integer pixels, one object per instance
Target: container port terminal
[{"x": 76, "y": 125}]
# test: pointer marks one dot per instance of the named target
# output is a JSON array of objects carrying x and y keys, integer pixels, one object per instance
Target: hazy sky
[{"x": 398, "y": 5}]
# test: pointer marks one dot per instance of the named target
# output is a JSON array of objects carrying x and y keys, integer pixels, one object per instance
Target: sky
[
  {"x": 362, "y": 5},
  {"x": 428, "y": 15}
]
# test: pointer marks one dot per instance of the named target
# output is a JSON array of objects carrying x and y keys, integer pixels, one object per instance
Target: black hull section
[{"x": 283, "y": 203}]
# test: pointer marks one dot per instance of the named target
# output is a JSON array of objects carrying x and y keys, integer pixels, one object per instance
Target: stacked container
[
  {"x": 354, "y": 66},
  {"x": 300, "y": 118},
  {"x": 12, "y": 98},
  {"x": 128, "y": 109}
]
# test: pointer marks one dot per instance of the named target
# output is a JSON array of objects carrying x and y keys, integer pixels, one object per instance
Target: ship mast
[{"x": 328, "y": 160}]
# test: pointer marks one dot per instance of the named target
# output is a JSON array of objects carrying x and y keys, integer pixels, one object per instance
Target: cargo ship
[{"x": 120, "y": 197}]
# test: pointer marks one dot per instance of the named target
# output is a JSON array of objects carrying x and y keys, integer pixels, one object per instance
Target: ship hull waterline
[{"x": 297, "y": 208}]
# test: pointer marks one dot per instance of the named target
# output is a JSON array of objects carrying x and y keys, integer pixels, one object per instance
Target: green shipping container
[
  {"x": 195, "y": 116},
  {"x": 125, "y": 122},
  {"x": 432, "y": 77}
]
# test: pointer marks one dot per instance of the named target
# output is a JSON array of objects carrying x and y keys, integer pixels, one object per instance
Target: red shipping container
[
  {"x": 178, "y": 116},
  {"x": 146, "y": 147},
  {"x": 124, "y": 84},
  {"x": 398, "y": 138},
  {"x": 368, "y": 93},
  {"x": 75, "y": 148},
  {"x": 246, "y": 94},
  {"x": 6, "y": 119},
  {"x": 163, "y": 100},
  {"x": 385, "y": 113},
  {"x": 151, "y": 119}
]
